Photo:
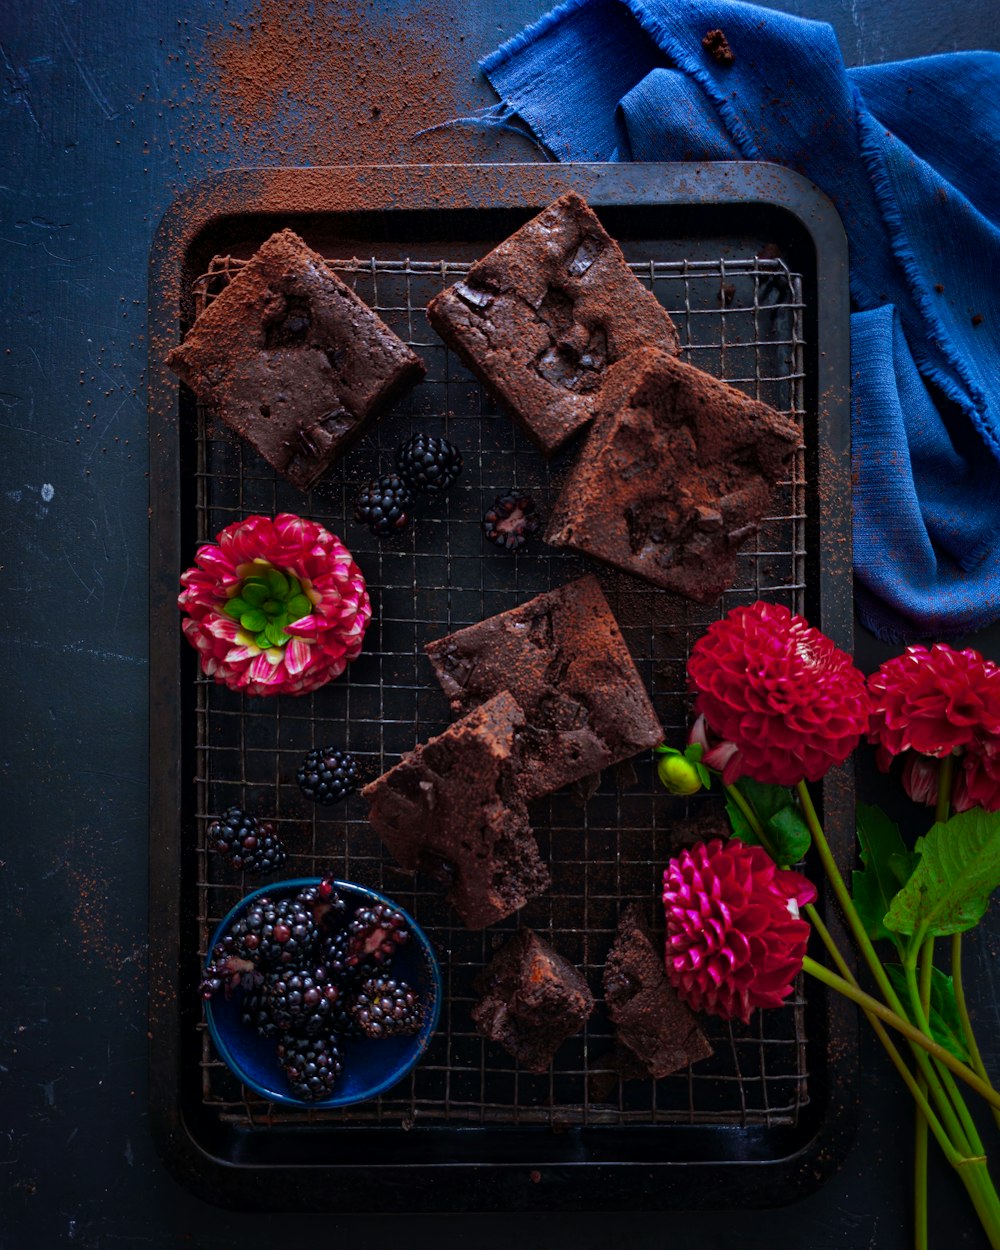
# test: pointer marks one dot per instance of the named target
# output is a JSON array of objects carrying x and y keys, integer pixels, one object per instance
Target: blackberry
[
  {"x": 301, "y": 1000},
  {"x": 256, "y": 1013},
  {"x": 230, "y": 969},
  {"x": 384, "y": 505},
  {"x": 374, "y": 936},
  {"x": 511, "y": 520},
  {"x": 311, "y": 1065},
  {"x": 283, "y": 930},
  {"x": 429, "y": 465},
  {"x": 327, "y": 904},
  {"x": 327, "y": 775},
  {"x": 385, "y": 1008},
  {"x": 249, "y": 843}
]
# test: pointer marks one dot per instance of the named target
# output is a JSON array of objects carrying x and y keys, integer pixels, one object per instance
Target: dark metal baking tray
[{"x": 751, "y": 262}]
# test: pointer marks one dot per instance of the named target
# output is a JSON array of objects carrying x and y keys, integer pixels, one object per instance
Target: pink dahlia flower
[
  {"x": 734, "y": 937},
  {"x": 933, "y": 701},
  {"x": 791, "y": 702},
  {"x": 275, "y": 606}
]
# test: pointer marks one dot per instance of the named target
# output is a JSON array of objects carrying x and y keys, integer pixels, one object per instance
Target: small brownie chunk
[
  {"x": 532, "y": 1000},
  {"x": 453, "y": 808},
  {"x": 676, "y": 474},
  {"x": 563, "y": 658},
  {"x": 656, "y": 1033},
  {"x": 541, "y": 317},
  {"x": 291, "y": 359}
]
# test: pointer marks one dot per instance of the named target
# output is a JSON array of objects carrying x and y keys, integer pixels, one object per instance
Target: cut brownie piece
[
  {"x": 453, "y": 808},
  {"x": 532, "y": 1000},
  {"x": 291, "y": 359},
  {"x": 676, "y": 474},
  {"x": 656, "y": 1033},
  {"x": 542, "y": 316},
  {"x": 563, "y": 658}
]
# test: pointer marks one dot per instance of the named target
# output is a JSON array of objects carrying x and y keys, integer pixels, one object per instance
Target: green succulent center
[{"x": 266, "y": 602}]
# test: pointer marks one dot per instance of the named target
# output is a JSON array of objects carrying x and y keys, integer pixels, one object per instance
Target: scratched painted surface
[{"x": 106, "y": 110}]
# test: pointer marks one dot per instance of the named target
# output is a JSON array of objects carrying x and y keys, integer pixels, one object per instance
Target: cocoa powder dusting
[{"x": 325, "y": 84}]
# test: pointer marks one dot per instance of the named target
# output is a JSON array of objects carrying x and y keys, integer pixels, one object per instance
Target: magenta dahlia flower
[
  {"x": 275, "y": 606},
  {"x": 977, "y": 782},
  {"x": 734, "y": 937},
  {"x": 791, "y": 702},
  {"x": 934, "y": 701}
]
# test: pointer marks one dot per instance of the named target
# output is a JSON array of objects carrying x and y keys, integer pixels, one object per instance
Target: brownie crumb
[
  {"x": 532, "y": 1000},
  {"x": 977, "y": 319},
  {"x": 656, "y": 1034},
  {"x": 717, "y": 46},
  {"x": 939, "y": 287}
]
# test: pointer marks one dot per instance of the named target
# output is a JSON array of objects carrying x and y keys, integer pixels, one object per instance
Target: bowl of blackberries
[{"x": 320, "y": 992}]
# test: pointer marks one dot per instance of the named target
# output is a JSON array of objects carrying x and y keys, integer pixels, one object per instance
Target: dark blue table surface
[{"x": 108, "y": 109}]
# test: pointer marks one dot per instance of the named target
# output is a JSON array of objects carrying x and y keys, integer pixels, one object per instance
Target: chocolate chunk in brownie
[
  {"x": 676, "y": 474},
  {"x": 655, "y": 1033},
  {"x": 563, "y": 658},
  {"x": 291, "y": 359},
  {"x": 453, "y": 808},
  {"x": 532, "y": 1000},
  {"x": 542, "y": 317}
]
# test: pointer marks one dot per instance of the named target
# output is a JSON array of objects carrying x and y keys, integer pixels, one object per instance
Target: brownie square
[
  {"x": 453, "y": 808},
  {"x": 562, "y": 656},
  {"x": 655, "y": 1032},
  {"x": 532, "y": 1000},
  {"x": 677, "y": 471},
  {"x": 542, "y": 317},
  {"x": 292, "y": 360}
]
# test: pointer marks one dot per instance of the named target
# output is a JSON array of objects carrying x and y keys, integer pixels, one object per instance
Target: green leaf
[
  {"x": 741, "y": 828},
  {"x": 235, "y": 608},
  {"x": 765, "y": 800},
  {"x": 945, "y": 1022},
  {"x": 298, "y": 607},
  {"x": 275, "y": 634},
  {"x": 789, "y": 834},
  {"x": 253, "y": 620},
  {"x": 278, "y": 583},
  {"x": 950, "y": 888},
  {"x": 778, "y": 812},
  {"x": 885, "y": 857},
  {"x": 254, "y": 592}
]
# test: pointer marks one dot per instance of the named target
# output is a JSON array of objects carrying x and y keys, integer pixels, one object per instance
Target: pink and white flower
[{"x": 275, "y": 606}]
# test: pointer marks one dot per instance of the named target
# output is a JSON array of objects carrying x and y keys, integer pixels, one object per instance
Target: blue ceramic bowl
[{"x": 371, "y": 1066}]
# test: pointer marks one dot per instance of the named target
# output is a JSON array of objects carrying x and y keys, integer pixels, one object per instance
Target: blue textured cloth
[{"x": 909, "y": 154}]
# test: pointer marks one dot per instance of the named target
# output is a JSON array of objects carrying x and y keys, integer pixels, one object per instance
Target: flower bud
[
  {"x": 920, "y": 778},
  {"x": 677, "y": 774}
]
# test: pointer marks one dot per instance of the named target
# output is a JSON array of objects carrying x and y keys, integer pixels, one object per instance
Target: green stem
[
  {"x": 946, "y": 771},
  {"x": 972, "y": 1142},
  {"x": 740, "y": 800},
  {"x": 846, "y": 904},
  {"x": 920, "y": 1240},
  {"x": 963, "y": 1014},
  {"x": 918, "y": 1090},
  {"x": 901, "y": 1025},
  {"x": 920, "y": 1127}
]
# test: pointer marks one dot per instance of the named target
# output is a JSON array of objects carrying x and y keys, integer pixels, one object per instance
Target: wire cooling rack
[{"x": 740, "y": 319}]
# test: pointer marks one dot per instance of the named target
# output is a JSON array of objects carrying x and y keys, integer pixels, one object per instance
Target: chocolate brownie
[
  {"x": 532, "y": 1000},
  {"x": 542, "y": 316},
  {"x": 655, "y": 1033},
  {"x": 676, "y": 474},
  {"x": 453, "y": 808},
  {"x": 291, "y": 359},
  {"x": 563, "y": 658}
]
